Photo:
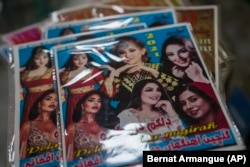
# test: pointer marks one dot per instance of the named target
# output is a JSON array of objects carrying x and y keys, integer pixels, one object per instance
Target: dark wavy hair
[
  {"x": 122, "y": 41},
  {"x": 135, "y": 97},
  {"x": 178, "y": 40},
  {"x": 30, "y": 65},
  {"x": 189, "y": 120},
  {"x": 34, "y": 112},
  {"x": 100, "y": 116}
]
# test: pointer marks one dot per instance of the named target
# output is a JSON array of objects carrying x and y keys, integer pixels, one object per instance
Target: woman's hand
[
  {"x": 166, "y": 106},
  {"x": 108, "y": 81},
  {"x": 178, "y": 72},
  {"x": 194, "y": 72},
  {"x": 129, "y": 68}
]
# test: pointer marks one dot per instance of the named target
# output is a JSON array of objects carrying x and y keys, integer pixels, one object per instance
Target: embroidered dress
[
  {"x": 39, "y": 139},
  {"x": 83, "y": 140},
  {"x": 77, "y": 90},
  {"x": 34, "y": 86}
]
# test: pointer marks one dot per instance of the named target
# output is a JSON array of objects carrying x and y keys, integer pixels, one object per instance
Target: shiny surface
[{"x": 234, "y": 17}]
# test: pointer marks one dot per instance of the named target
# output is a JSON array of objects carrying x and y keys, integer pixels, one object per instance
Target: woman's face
[
  {"x": 178, "y": 55},
  {"x": 194, "y": 105},
  {"x": 92, "y": 104},
  {"x": 150, "y": 94},
  {"x": 41, "y": 59},
  {"x": 131, "y": 53},
  {"x": 80, "y": 60},
  {"x": 49, "y": 103}
]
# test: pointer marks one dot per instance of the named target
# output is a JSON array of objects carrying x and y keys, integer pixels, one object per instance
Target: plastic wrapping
[
  {"x": 204, "y": 21},
  {"x": 6, "y": 55},
  {"x": 34, "y": 85},
  {"x": 120, "y": 145},
  {"x": 167, "y": 131},
  {"x": 97, "y": 10},
  {"x": 8, "y": 58},
  {"x": 150, "y": 18},
  {"x": 37, "y": 126}
]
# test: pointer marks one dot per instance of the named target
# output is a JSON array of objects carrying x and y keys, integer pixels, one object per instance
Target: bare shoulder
[{"x": 26, "y": 126}]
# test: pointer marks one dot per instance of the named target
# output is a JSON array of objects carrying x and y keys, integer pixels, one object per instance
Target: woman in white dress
[{"x": 150, "y": 110}]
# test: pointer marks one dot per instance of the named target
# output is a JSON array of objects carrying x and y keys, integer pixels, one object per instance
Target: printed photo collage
[{"x": 100, "y": 91}]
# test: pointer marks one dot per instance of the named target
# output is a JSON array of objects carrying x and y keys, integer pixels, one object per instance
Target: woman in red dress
[
  {"x": 40, "y": 131},
  {"x": 35, "y": 78},
  {"x": 78, "y": 77}
]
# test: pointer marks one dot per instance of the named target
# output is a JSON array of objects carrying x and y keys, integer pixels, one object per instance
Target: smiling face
[
  {"x": 92, "y": 104},
  {"x": 178, "y": 55},
  {"x": 49, "y": 103},
  {"x": 131, "y": 53},
  {"x": 194, "y": 105},
  {"x": 80, "y": 60},
  {"x": 41, "y": 59},
  {"x": 150, "y": 94}
]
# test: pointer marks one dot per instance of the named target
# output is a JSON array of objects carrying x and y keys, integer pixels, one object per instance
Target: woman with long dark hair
[
  {"x": 150, "y": 109},
  {"x": 40, "y": 131},
  {"x": 85, "y": 133},
  {"x": 180, "y": 59}
]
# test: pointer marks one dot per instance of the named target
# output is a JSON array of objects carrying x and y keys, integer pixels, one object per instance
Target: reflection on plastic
[
  {"x": 91, "y": 50},
  {"x": 82, "y": 74},
  {"x": 92, "y": 77},
  {"x": 113, "y": 24},
  {"x": 118, "y": 9},
  {"x": 96, "y": 45},
  {"x": 11, "y": 151},
  {"x": 124, "y": 146},
  {"x": 113, "y": 57},
  {"x": 99, "y": 50}
]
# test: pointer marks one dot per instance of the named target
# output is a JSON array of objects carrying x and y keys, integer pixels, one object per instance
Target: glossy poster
[
  {"x": 37, "y": 115},
  {"x": 144, "y": 90},
  {"x": 38, "y": 137},
  {"x": 204, "y": 21},
  {"x": 102, "y": 8}
]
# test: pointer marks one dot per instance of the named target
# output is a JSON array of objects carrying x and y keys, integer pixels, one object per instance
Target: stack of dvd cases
[{"x": 99, "y": 83}]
